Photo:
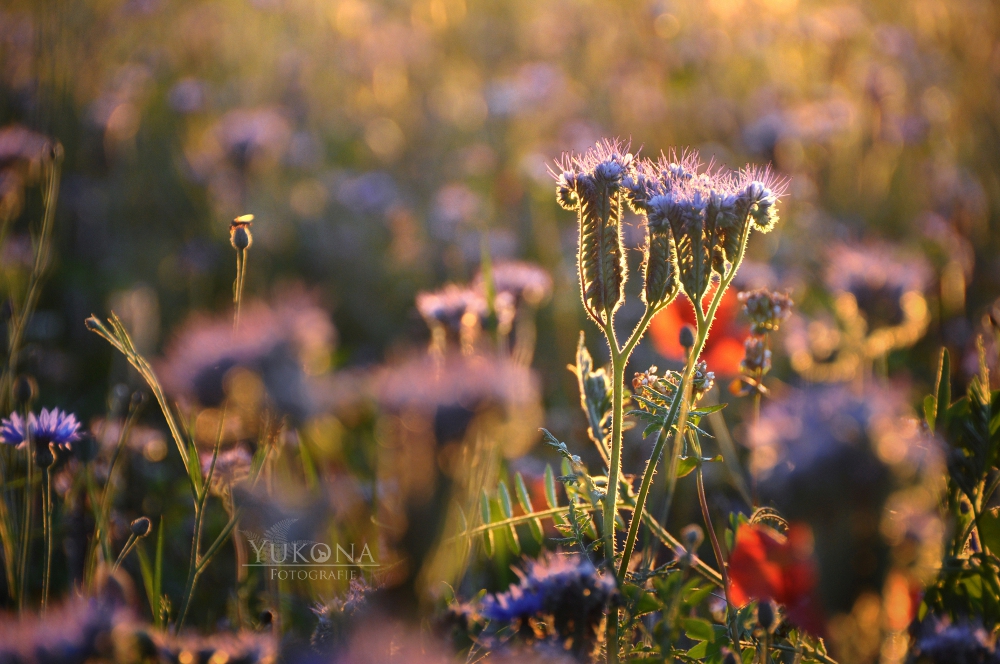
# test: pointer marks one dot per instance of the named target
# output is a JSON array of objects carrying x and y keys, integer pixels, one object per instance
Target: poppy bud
[
  {"x": 140, "y": 527},
  {"x": 692, "y": 536},
  {"x": 687, "y": 337},
  {"x": 43, "y": 455},
  {"x": 765, "y": 615},
  {"x": 266, "y": 618}
]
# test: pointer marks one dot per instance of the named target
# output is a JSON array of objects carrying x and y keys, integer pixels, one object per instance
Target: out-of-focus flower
[
  {"x": 724, "y": 347},
  {"x": 702, "y": 380},
  {"x": 862, "y": 473},
  {"x": 22, "y": 153},
  {"x": 248, "y": 647},
  {"x": 50, "y": 427},
  {"x": 80, "y": 631},
  {"x": 334, "y": 618},
  {"x": 567, "y": 589},
  {"x": 231, "y": 467},
  {"x": 885, "y": 289},
  {"x": 879, "y": 304},
  {"x": 455, "y": 315},
  {"x": 939, "y": 640},
  {"x": 527, "y": 282},
  {"x": 766, "y": 565},
  {"x": 766, "y": 310},
  {"x": 452, "y": 390},
  {"x": 283, "y": 344}
]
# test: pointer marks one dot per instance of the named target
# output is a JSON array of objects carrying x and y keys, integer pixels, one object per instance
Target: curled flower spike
[
  {"x": 757, "y": 358},
  {"x": 591, "y": 184},
  {"x": 698, "y": 220}
]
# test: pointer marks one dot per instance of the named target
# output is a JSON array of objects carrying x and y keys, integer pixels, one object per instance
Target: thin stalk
[
  {"x": 19, "y": 319},
  {"x": 716, "y": 546},
  {"x": 199, "y": 520},
  {"x": 647, "y": 478},
  {"x": 47, "y": 523},
  {"x": 26, "y": 525},
  {"x": 129, "y": 545}
]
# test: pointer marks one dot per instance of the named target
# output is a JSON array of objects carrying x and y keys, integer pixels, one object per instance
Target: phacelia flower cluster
[
  {"x": 697, "y": 220},
  {"x": 565, "y": 591}
]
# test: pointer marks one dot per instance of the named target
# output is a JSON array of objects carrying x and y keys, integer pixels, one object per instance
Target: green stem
[
  {"x": 47, "y": 523},
  {"x": 26, "y": 525},
  {"x": 647, "y": 479},
  {"x": 129, "y": 545}
]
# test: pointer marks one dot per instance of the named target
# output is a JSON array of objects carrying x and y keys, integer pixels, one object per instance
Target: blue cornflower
[
  {"x": 938, "y": 640},
  {"x": 54, "y": 427}
]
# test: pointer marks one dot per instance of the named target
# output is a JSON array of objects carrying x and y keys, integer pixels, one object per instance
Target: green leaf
[
  {"x": 989, "y": 530},
  {"x": 686, "y": 466},
  {"x": 648, "y": 603},
  {"x": 503, "y": 494},
  {"x": 698, "y": 629},
  {"x": 484, "y": 512},
  {"x": 930, "y": 410},
  {"x": 697, "y": 596},
  {"x": 943, "y": 388},
  {"x": 700, "y": 651},
  {"x": 524, "y": 500},
  {"x": 550, "y": 487}
]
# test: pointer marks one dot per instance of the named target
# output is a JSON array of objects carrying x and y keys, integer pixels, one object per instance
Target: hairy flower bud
[
  {"x": 659, "y": 268},
  {"x": 592, "y": 184},
  {"x": 765, "y": 615}
]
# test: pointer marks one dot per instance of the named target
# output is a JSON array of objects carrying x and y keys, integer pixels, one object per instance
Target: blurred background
[{"x": 385, "y": 147}]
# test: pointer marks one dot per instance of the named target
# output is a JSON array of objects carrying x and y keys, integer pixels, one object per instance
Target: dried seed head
[
  {"x": 239, "y": 232},
  {"x": 766, "y": 310},
  {"x": 592, "y": 185}
]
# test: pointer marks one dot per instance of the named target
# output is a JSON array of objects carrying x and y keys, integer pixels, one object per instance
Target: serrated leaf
[{"x": 648, "y": 603}]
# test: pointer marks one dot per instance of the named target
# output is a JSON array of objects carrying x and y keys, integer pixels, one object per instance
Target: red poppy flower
[
  {"x": 768, "y": 565},
  {"x": 724, "y": 348}
]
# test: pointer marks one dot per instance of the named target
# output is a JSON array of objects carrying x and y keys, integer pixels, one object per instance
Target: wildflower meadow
[{"x": 431, "y": 331}]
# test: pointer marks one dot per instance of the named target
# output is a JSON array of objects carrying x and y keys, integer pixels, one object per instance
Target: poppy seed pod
[
  {"x": 239, "y": 232},
  {"x": 140, "y": 527}
]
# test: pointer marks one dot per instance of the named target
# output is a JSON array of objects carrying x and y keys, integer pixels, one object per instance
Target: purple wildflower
[
  {"x": 54, "y": 427},
  {"x": 938, "y": 640},
  {"x": 567, "y": 588}
]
